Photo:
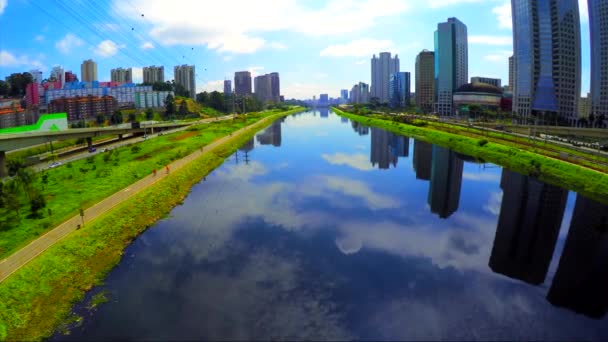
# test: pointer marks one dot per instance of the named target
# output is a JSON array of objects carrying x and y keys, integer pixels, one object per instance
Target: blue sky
[{"x": 316, "y": 46}]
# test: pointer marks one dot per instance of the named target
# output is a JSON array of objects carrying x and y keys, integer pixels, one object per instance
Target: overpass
[{"x": 9, "y": 142}]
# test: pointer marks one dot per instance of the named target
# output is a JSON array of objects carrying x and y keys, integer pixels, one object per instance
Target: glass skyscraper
[
  {"x": 400, "y": 89},
  {"x": 598, "y": 22},
  {"x": 451, "y": 62},
  {"x": 547, "y": 59}
]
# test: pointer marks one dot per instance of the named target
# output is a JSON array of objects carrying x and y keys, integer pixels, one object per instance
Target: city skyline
[{"x": 325, "y": 62}]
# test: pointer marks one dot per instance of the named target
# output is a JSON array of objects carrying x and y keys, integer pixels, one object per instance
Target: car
[
  {"x": 104, "y": 150},
  {"x": 55, "y": 164},
  {"x": 92, "y": 149}
]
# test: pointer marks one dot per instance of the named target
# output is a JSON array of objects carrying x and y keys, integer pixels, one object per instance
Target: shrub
[
  {"x": 135, "y": 149},
  {"x": 482, "y": 142}
]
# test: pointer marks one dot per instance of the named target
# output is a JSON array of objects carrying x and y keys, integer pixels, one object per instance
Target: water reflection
[
  {"x": 446, "y": 181},
  {"x": 271, "y": 135},
  {"x": 423, "y": 159},
  {"x": 386, "y": 147},
  {"x": 324, "y": 112},
  {"x": 359, "y": 128}
]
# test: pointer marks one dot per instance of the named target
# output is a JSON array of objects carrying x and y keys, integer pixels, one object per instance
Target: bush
[
  {"x": 135, "y": 149},
  {"x": 482, "y": 142}
]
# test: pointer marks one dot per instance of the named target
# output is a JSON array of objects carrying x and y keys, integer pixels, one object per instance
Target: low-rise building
[
  {"x": 84, "y": 107},
  {"x": 472, "y": 99}
]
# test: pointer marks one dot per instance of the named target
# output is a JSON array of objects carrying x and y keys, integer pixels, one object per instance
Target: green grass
[
  {"x": 585, "y": 181},
  {"x": 37, "y": 299},
  {"x": 83, "y": 183}
]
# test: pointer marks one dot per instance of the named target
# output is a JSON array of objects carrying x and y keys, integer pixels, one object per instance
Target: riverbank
[
  {"x": 35, "y": 300},
  {"x": 585, "y": 181}
]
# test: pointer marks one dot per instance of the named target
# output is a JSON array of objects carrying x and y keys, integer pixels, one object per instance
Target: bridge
[{"x": 9, "y": 142}]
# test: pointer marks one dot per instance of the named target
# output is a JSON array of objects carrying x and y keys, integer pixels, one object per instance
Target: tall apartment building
[
  {"x": 275, "y": 87},
  {"x": 344, "y": 95},
  {"x": 487, "y": 80},
  {"x": 262, "y": 87},
  {"x": 70, "y": 76},
  {"x": 242, "y": 83},
  {"x": 598, "y": 25},
  {"x": 547, "y": 58},
  {"x": 451, "y": 62},
  {"x": 425, "y": 80},
  {"x": 88, "y": 71},
  {"x": 360, "y": 93},
  {"x": 154, "y": 74},
  {"x": 382, "y": 68},
  {"x": 227, "y": 87},
  {"x": 184, "y": 76},
  {"x": 399, "y": 85},
  {"x": 58, "y": 74},
  {"x": 511, "y": 73},
  {"x": 121, "y": 75}
]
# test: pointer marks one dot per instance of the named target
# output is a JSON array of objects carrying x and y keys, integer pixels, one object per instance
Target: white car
[{"x": 55, "y": 164}]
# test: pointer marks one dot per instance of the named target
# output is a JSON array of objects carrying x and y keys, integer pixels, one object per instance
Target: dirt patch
[
  {"x": 152, "y": 153},
  {"x": 184, "y": 136}
]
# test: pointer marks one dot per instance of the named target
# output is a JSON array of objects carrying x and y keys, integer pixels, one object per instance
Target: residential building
[
  {"x": 598, "y": 26},
  {"x": 451, "y": 62},
  {"x": 184, "y": 75},
  {"x": 400, "y": 89},
  {"x": 511, "y": 73},
  {"x": 88, "y": 71},
  {"x": 344, "y": 95},
  {"x": 275, "y": 87},
  {"x": 32, "y": 94},
  {"x": 122, "y": 75},
  {"x": 227, "y": 87},
  {"x": 382, "y": 68},
  {"x": 85, "y": 107},
  {"x": 547, "y": 58},
  {"x": 12, "y": 115},
  {"x": 70, "y": 77},
  {"x": 262, "y": 87},
  {"x": 58, "y": 74},
  {"x": 151, "y": 99},
  {"x": 124, "y": 94},
  {"x": 487, "y": 80},
  {"x": 154, "y": 74},
  {"x": 242, "y": 83},
  {"x": 425, "y": 81},
  {"x": 359, "y": 93},
  {"x": 36, "y": 76},
  {"x": 584, "y": 106}
]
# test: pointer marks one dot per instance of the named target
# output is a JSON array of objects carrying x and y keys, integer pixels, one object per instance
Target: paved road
[{"x": 17, "y": 260}]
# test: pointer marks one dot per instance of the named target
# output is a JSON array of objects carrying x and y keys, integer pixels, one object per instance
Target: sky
[{"x": 316, "y": 46}]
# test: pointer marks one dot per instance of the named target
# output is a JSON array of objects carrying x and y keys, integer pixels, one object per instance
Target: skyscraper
[
  {"x": 547, "y": 58},
  {"x": 275, "y": 87},
  {"x": 242, "y": 83},
  {"x": 262, "y": 87},
  {"x": 598, "y": 25},
  {"x": 446, "y": 181},
  {"x": 399, "y": 85},
  {"x": 184, "y": 76},
  {"x": 451, "y": 62},
  {"x": 227, "y": 87},
  {"x": 154, "y": 74},
  {"x": 59, "y": 75},
  {"x": 344, "y": 95},
  {"x": 121, "y": 75},
  {"x": 511, "y": 73},
  {"x": 382, "y": 68},
  {"x": 425, "y": 80},
  {"x": 359, "y": 93},
  {"x": 88, "y": 71}
]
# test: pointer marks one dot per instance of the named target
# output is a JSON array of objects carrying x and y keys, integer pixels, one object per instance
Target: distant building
[
  {"x": 344, "y": 95},
  {"x": 262, "y": 87},
  {"x": 85, "y": 107},
  {"x": 323, "y": 100},
  {"x": 584, "y": 106},
  {"x": 472, "y": 99},
  {"x": 88, "y": 71},
  {"x": 275, "y": 87},
  {"x": 511, "y": 73},
  {"x": 425, "y": 81},
  {"x": 446, "y": 182},
  {"x": 124, "y": 94},
  {"x": 227, "y": 87},
  {"x": 36, "y": 76},
  {"x": 359, "y": 93},
  {"x": 58, "y": 74},
  {"x": 400, "y": 89},
  {"x": 121, "y": 75},
  {"x": 185, "y": 76},
  {"x": 151, "y": 99},
  {"x": 70, "y": 77},
  {"x": 32, "y": 95},
  {"x": 154, "y": 74},
  {"x": 451, "y": 62},
  {"x": 487, "y": 80},
  {"x": 242, "y": 83},
  {"x": 382, "y": 68},
  {"x": 12, "y": 115},
  {"x": 598, "y": 27}
]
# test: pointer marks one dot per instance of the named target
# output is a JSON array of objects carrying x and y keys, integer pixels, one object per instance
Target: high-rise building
[
  {"x": 121, "y": 75},
  {"x": 262, "y": 87},
  {"x": 275, "y": 87},
  {"x": 58, "y": 74},
  {"x": 323, "y": 100},
  {"x": 425, "y": 80},
  {"x": 531, "y": 213},
  {"x": 154, "y": 74},
  {"x": 88, "y": 71},
  {"x": 70, "y": 76},
  {"x": 242, "y": 83},
  {"x": 487, "y": 80},
  {"x": 584, "y": 106},
  {"x": 382, "y": 68},
  {"x": 598, "y": 25},
  {"x": 451, "y": 62},
  {"x": 400, "y": 89},
  {"x": 36, "y": 76},
  {"x": 227, "y": 87},
  {"x": 547, "y": 58},
  {"x": 511, "y": 73},
  {"x": 184, "y": 76},
  {"x": 446, "y": 181},
  {"x": 344, "y": 95},
  {"x": 359, "y": 93}
]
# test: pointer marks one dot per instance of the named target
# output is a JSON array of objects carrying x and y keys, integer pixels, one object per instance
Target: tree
[
  {"x": 149, "y": 114},
  {"x": 116, "y": 118},
  {"x": 132, "y": 117},
  {"x": 183, "y": 110},
  {"x": 180, "y": 90},
  {"x": 37, "y": 202},
  {"x": 4, "y": 88},
  {"x": 18, "y": 82},
  {"x": 216, "y": 101},
  {"x": 100, "y": 119},
  {"x": 11, "y": 199},
  {"x": 202, "y": 98},
  {"x": 169, "y": 106}
]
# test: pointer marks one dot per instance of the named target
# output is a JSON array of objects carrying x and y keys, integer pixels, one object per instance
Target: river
[{"x": 320, "y": 228}]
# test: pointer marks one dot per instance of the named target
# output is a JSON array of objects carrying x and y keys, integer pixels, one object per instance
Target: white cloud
[
  {"x": 8, "y": 59},
  {"x": 491, "y": 40},
  {"x": 216, "y": 85},
  {"x": 361, "y": 62},
  {"x": 299, "y": 90},
  {"x": 39, "y": 38},
  {"x": 68, "y": 43},
  {"x": 357, "y": 161},
  {"x": 481, "y": 177},
  {"x": 499, "y": 56},
  {"x": 277, "y": 46},
  {"x": 445, "y": 3},
  {"x": 170, "y": 24},
  {"x": 503, "y": 14},
  {"x": 147, "y": 46},
  {"x": 494, "y": 203},
  {"x": 138, "y": 74},
  {"x": 107, "y": 48},
  {"x": 359, "y": 48},
  {"x": 227, "y": 58},
  {"x": 3, "y": 4},
  {"x": 255, "y": 70}
]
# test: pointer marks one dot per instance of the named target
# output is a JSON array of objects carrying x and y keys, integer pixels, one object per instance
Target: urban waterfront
[{"x": 321, "y": 228}]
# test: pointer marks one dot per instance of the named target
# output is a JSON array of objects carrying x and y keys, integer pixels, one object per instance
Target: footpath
[{"x": 15, "y": 261}]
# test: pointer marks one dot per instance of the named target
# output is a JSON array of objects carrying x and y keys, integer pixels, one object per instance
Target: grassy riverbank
[
  {"x": 85, "y": 182},
  {"x": 588, "y": 182},
  {"x": 38, "y": 298}
]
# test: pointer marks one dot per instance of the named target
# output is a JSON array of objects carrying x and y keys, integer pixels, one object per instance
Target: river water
[{"x": 320, "y": 228}]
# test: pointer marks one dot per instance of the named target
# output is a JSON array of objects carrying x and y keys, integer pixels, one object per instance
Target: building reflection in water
[
  {"x": 343, "y": 119},
  {"x": 324, "y": 112},
  {"x": 528, "y": 226},
  {"x": 271, "y": 135},
  {"x": 423, "y": 156},
  {"x": 359, "y": 128},
  {"x": 387, "y": 147},
  {"x": 248, "y": 146},
  {"x": 446, "y": 181},
  {"x": 581, "y": 281}
]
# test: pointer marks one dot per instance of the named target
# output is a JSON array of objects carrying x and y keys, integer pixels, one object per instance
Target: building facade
[
  {"x": 275, "y": 87},
  {"x": 451, "y": 62},
  {"x": 598, "y": 25},
  {"x": 547, "y": 59},
  {"x": 124, "y": 94},
  {"x": 400, "y": 89},
  {"x": 154, "y": 74},
  {"x": 511, "y": 73},
  {"x": 474, "y": 99},
  {"x": 227, "y": 87},
  {"x": 242, "y": 83},
  {"x": 262, "y": 87},
  {"x": 382, "y": 68},
  {"x": 122, "y": 75},
  {"x": 425, "y": 81},
  {"x": 151, "y": 99},
  {"x": 487, "y": 80},
  {"x": 184, "y": 75},
  {"x": 70, "y": 77},
  {"x": 85, "y": 107},
  {"x": 88, "y": 71},
  {"x": 58, "y": 74},
  {"x": 344, "y": 95},
  {"x": 359, "y": 93}
]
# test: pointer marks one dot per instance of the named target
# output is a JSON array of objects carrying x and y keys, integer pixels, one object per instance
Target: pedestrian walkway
[{"x": 17, "y": 260}]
